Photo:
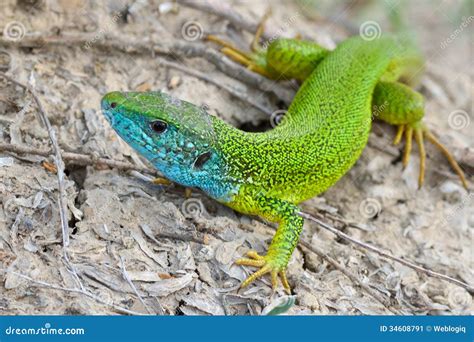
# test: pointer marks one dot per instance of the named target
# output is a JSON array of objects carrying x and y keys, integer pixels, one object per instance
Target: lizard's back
[{"x": 327, "y": 125}]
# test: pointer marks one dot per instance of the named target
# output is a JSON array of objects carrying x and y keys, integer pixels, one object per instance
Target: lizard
[{"x": 322, "y": 135}]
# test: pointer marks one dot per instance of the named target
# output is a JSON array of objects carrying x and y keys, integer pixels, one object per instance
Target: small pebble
[{"x": 174, "y": 82}]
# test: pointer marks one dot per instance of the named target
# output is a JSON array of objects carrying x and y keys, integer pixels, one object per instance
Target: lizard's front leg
[{"x": 284, "y": 242}]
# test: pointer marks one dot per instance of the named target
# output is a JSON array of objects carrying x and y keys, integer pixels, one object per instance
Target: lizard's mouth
[
  {"x": 107, "y": 111},
  {"x": 109, "y": 116},
  {"x": 129, "y": 131}
]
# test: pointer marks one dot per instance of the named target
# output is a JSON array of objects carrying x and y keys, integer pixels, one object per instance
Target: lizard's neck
[{"x": 211, "y": 177}]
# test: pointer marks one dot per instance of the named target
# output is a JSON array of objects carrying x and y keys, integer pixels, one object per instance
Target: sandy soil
[{"x": 141, "y": 248}]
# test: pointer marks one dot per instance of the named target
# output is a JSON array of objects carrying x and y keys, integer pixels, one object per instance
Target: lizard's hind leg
[{"x": 400, "y": 105}]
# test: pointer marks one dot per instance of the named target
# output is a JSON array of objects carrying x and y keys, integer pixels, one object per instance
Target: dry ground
[{"x": 124, "y": 231}]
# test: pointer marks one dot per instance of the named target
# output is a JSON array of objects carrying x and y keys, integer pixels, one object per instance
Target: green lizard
[{"x": 320, "y": 138}]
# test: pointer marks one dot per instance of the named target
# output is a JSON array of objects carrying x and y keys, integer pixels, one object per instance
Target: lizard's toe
[
  {"x": 267, "y": 264},
  {"x": 254, "y": 259},
  {"x": 419, "y": 132},
  {"x": 284, "y": 281}
]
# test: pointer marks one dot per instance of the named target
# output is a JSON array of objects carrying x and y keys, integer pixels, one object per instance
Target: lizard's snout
[{"x": 111, "y": 100}]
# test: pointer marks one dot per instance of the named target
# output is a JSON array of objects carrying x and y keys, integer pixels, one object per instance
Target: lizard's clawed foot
[
  {"x": 267, "y": 264},
  {"x": 188, "y": 192},
  {"x": 420, "y": 131},
  {"x": 248, "y": 59},
  {"x": 161, "y": 181}
]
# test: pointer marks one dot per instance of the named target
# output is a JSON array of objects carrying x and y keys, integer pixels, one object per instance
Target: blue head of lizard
[{"x": 175, "y": 136}]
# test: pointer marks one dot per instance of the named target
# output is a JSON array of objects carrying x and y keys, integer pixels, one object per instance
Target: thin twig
[
  {"x": 58, "y": 160},
  {"x": 192, "y": 236},
  {"x": 231, "y": 90},
  {"x": 126, "y": 276},
  {"x": 78, "y": 158},
  {"x": 385, "y": 254},
  {"x": 73, "y": 290}
]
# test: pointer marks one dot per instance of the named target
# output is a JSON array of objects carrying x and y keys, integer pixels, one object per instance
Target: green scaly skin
[{"x": 268, "y": 174}]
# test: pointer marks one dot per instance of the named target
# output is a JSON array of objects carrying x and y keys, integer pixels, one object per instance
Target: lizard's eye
[
  {"x": 158, "y": 126},
  {"x": 113, "y": 105}
]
